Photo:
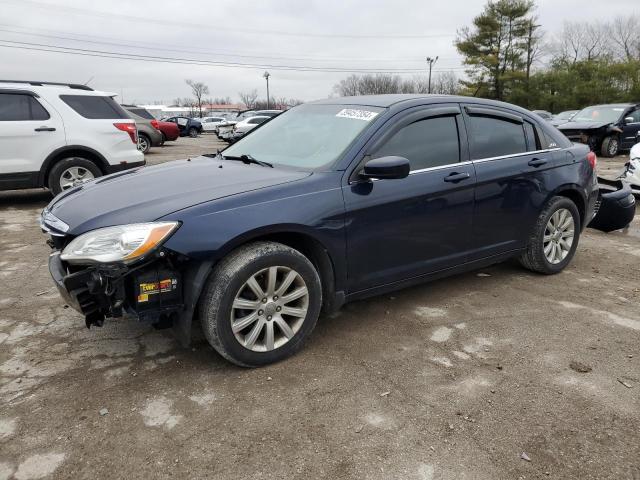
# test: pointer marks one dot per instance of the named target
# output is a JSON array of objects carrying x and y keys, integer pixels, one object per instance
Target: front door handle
[
  {"x": 456, "y": 177},
  {"x": 45, "y": 129},
  {"x": 537, "y": 162}
]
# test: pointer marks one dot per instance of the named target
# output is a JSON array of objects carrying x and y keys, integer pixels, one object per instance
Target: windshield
[
  {"x": 605, "y": 114},
  {"x": 565, "y": 115},
  {"x": 307, "y": 136}
]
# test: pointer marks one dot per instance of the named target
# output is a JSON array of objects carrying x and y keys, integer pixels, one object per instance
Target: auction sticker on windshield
[{"x": 357, "y": 114}]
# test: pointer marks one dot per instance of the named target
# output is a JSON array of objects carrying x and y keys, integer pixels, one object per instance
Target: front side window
[
  {"x": 95, "y": 107},
  {"x": 308, "y": 136},
  {"x": 19, "y": 107},
  {"x": 494, "y": 137},
  {"x": 427, "y": 143}
]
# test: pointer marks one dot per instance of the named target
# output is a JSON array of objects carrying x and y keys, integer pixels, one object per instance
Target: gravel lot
[{"x": 498, "y": 374}]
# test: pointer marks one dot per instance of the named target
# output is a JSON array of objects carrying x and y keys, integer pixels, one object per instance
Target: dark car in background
[
  {"x": 187, "y": 126},
  {"x": 330, "y": 202},
  {"x": 607, "y": 129},
  {"x": 147, "y": 125}
]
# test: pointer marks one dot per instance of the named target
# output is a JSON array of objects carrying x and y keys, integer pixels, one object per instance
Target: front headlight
[{"x": 122, "y": 243}]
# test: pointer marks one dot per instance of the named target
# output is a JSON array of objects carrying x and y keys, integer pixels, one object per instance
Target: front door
[
  {"x": 630, "y": 129},
  {"x": 399, "y": 229}
]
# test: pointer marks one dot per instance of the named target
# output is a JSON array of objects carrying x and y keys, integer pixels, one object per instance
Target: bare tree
[
  {"x": 445, "y": 83},
  {"x": 249, "y": 98},
  {"x": 199, "y": 90},
  {"x": 348, "y": 87},
  {"x": 625, "y": 38}
]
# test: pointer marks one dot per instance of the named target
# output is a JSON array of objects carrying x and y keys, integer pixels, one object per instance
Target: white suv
[{"x": 59, "y": 135}]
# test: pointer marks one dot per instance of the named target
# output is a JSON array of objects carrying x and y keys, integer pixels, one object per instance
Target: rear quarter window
[
  {"x": 141, "y": 112},
  {"x": 95, "y": 107}
]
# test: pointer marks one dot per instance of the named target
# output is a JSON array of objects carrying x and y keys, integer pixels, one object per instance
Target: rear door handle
[
  {"x": 456, "y": 177},
  {"x": 45, "y": 129},
  {"x": 537, "y": 162}
]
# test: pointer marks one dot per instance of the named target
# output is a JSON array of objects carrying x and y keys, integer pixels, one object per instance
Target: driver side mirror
[
  {"x": 386, "y": 168},
  {"x": 628, "y": 120}
]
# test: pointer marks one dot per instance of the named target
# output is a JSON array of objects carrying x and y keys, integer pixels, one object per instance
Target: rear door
[
  {"x": 512, "y": 172},
  {"x": 30, "y": 130},
  {"x": 399, "y": 229}
]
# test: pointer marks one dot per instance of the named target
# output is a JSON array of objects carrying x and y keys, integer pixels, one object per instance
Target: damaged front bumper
[{"x": 152, "y": 291}]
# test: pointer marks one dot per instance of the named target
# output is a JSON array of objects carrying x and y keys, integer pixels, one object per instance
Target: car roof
[
  {"x": 256, "y": 116},
  {"x": 402, "y": 100},
  {"x": 55, "y": 88},
  {"x": 611, "y": 105}
]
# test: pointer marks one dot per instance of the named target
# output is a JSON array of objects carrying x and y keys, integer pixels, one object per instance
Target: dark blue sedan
[{"x": 329, "y": 202}]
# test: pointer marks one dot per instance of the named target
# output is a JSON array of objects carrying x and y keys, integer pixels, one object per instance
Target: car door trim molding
[
  {"x": 516, "y": 155},
  {"x": 490, "y": 112}
]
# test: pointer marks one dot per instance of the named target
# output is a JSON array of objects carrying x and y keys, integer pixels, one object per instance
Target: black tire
[
  {"x": 144, "y": 143},
  {"x": 55, "y": 174},
  {"x": 610, "y": 147},
  {"x": 533, "y": 257},
  {"x": 193, "y": 132},
  {"x": 164, "y": 139},
  {"x": 227, "y": 279}
]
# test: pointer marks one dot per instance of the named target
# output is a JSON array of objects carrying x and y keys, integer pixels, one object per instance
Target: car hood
[
  {"x": 582, "y": 125},
  {"x": 148, "y": 193}
]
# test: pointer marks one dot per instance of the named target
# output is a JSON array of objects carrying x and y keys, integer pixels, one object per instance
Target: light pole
[
  {"x": 431, "y": 61},
  {"x": 266, "y": 75}
]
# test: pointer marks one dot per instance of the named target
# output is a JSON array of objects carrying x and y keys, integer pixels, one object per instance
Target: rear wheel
[
  {"x": 193, "y": 132},
  {"x": 554, "y": 240},
  {"x": 260, "y": 304},
  {"x": 610, "y": 146},
  {"x": 164, "y": 138},
  {"x": 69, "y": 172},
  {"x": 144, "y": 143}
]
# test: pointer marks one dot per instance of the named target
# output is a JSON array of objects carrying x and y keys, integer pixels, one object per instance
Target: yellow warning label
[{"x": 143, "y": 298}]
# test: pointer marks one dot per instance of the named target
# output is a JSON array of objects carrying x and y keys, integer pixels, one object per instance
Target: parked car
[
  {"x": 544, "y": 114},
  {"x": 187, "y": 126},
  {"x": 607, "y": 129},
  {"x": 249, "y": 124},
  {"x": 210, "y": 124},
  {"x": 57, "y": 136},
  {"x": 563, "y": 117},
  {"x": 330, "y": 202},
  {"x": 169, "y": 130},
  {"x": 225, "y": 129},
  {"x": 148, "y": 133}
]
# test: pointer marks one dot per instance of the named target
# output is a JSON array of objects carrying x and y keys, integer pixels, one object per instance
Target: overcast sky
[{"x": 305, "y": 34}]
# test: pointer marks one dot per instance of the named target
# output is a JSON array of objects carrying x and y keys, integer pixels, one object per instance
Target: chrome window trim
[
  {"x": 440, "y": 167},
  {"x": 516, "y": 155}
]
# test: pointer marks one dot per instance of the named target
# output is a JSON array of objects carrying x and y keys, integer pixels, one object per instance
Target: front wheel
[
  {"x": 610, "y": 146},
  {"x": 193, "y": 132},
  {"x": 554, "y": 239},
  {"x": 260, "y": 304}
]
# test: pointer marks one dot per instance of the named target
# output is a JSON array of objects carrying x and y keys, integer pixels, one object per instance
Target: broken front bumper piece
[
  {"x": 151, "y": 292},
  {"x": 616, "y": 206}
]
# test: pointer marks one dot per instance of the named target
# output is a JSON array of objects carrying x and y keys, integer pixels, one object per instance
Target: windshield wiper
[{"x": 247, "y": 159}]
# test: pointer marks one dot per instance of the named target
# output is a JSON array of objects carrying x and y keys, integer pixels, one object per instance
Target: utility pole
[
  {"x": 266, "y": 75},
  {"x": 431, "y": 61}
]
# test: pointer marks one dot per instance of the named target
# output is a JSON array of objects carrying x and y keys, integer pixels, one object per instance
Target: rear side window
[
  {"x": 431, "y": 142},
  {"x": 493, "y": 137},
  {"x": 17, "y": 107},
  {"x": 95, "y": 107},
  {"x": 141, "y": 112},
  {"x": 532, "y": 137}
]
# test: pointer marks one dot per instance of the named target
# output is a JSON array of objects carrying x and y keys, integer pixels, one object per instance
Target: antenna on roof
[{"x": 87, "y": 82}]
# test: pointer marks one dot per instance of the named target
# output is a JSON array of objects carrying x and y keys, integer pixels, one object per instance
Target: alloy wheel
[
  {"x": 73, "y": 176},
  {"x": 558, "y": 236},
  {"x": 269, "y": 308},
  {"x": 143, "y": 145}
]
